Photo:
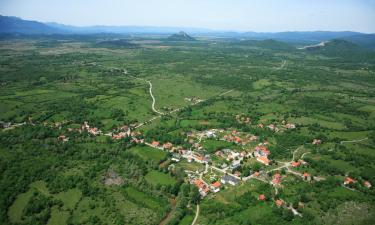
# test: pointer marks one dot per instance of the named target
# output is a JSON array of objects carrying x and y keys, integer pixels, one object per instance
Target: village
[
  {"x": 239, "y": 157},
  {"x": 247, "y": 158}
]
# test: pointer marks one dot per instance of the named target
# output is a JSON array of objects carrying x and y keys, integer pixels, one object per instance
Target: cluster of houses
[
  {"x": 231, "y": 156},
  {"x": 211, "y": 133},
  {"x": 234, "y": 158},
  {"x": 349, "y": 181},
  {"x": 306, "y": 176},
  {"x": 125, "y": 131},
  {"x": 156, "y": 144},
  {"x": 179, "y": 152},
  {"x": 116, "y": 134},
  {"x": 168, "y": 146},
  {"x": 274, "y": 127},
  {"x": 205, "y": 188},
  {"x": 262, "y": 153},
  {"x": 91, "y": 130},
  {"x": 232, "y": 136},
  {"x": 239, "y": 138},
  {"x": 86, "y": 127},
  {"x": 121, "y": 132},
  {"x": 215, "y": 187},
  {"x": 202, "y": 187},
  {"x": 192, "y": 156}
]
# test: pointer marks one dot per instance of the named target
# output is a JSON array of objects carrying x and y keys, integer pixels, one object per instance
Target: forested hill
[
  {"x": 181, "y": 36},
  {"x": 16, "y": 25},
  {"x": 364, "y": 40},
  {"x": 342, "y": 49}
]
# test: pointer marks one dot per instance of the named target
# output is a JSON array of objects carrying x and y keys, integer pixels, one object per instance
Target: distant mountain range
[
  {"x": 125, "y": 29},
  {"x": 12, "y": 25}
]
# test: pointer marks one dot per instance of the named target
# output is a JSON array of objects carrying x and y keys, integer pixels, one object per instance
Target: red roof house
[
  {"x": 264, "y": 160},
  {"x": 349, "y": 180},
  {"x": 168, "y": 145},
  {"x": 155, "y": 143},
  {"x": 296, "y": 164},
  {"x": 279, "y": 202},
  {"x": 276, "y": 178},
  {"x": 367, "y": 184}
]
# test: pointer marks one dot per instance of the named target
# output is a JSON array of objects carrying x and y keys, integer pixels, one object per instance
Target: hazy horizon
[{"x": 240, "y": 15}]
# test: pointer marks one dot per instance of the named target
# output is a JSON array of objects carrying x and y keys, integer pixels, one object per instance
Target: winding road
[
  {"x": 152, "y": 95},
  {"x": 153, "y": 99},
  {"x": 196, "y": 216}
]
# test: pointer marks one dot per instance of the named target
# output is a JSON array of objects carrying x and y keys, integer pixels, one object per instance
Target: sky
[{"x": 234, "y": 15}]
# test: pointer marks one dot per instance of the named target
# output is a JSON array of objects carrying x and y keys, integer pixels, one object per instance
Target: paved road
[
  {"x": 150, "y": 90},
  {"x": 153, "y": 99},
  {"x": 196, "y": 216},
  {"x": 223, "y": 171}
]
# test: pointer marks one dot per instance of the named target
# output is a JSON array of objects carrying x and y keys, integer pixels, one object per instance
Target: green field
[
  {"x": 214, "y": 145},
  {"x": 187, "y": 220},
  {"x": 155, "y": 177},
  {"x": 148, "y": 153}
]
